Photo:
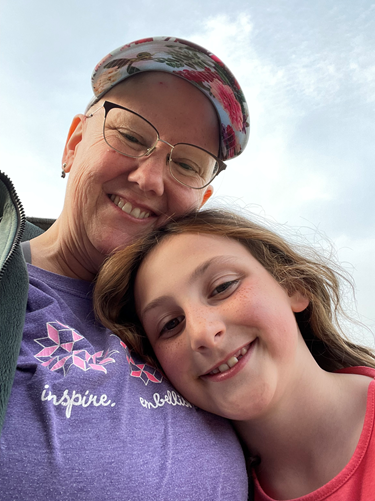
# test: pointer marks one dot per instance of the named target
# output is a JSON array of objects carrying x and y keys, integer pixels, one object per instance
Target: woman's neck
[
  {"x": 63, "y": 254},
  {"x": 310, "y": 436}
]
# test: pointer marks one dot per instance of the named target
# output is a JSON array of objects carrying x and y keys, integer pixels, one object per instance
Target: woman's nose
[{"x": 151, "y": 171}]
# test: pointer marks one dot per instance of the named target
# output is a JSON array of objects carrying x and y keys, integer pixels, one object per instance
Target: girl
[{"x": 246, "y": 327}]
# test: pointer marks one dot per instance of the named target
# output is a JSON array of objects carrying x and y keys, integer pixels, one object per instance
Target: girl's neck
[{"x": 308, "y": 438}]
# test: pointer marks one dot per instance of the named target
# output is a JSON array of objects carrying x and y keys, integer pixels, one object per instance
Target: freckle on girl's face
[{"x": 202, "y": 299}]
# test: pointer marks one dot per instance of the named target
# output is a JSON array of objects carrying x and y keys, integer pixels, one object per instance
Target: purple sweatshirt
[{"x": 88, "y": 420}]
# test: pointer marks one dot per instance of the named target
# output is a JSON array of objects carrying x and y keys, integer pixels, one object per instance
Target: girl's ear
[{"x": 298, "y": 302}]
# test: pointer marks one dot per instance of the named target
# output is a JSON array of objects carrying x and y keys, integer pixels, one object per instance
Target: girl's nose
[{"x": 206, "y": 329}]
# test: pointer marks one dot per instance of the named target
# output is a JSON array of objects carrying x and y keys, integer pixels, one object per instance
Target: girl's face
[{"x": 222, "y": 328}]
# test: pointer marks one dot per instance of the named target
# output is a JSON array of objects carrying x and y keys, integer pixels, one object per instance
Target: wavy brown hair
[{"x": 308, "y": 274}]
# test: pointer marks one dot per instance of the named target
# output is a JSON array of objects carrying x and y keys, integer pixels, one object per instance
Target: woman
[{"x": 77, "y": 423}]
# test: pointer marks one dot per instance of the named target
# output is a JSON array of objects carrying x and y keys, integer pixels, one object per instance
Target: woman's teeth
[
  {"x": 231, "y": 362},
  {"x": 128, "y": 208}
]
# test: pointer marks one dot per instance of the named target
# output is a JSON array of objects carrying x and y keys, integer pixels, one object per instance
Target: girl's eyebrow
[
  {"x": 195, "y": 274},
  {"x": 206, "y": 264}
]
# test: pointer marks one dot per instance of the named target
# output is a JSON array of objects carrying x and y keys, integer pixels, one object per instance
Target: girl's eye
[
  {"x": 225, "y": 287},
  {"x": 171, "y": 325}
]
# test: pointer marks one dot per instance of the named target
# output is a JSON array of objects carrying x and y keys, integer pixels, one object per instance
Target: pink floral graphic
[
  {"x": 64, "y": 347},
  {"x": 141, "y": 370},
  {"x": 225, "y": 96}
]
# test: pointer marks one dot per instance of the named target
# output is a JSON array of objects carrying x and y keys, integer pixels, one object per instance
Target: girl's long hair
[{"x": 316, "y": 280}]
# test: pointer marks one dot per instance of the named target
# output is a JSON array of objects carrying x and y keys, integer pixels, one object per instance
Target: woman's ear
[
  {"x": 72, "y": 141},
  {"x": 207, "y": 194}
]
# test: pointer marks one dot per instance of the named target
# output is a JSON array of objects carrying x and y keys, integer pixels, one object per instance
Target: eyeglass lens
[{"x": 133, "y": 136}]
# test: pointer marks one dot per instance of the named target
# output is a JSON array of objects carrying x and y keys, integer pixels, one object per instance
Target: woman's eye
[
  {"x": 171, "y": 325},
  {"x": 128, "y": 136},
  {"x": 185, "y": 166},
  {"x": 131, "y": 138},
  {"x": 224, "y": 287}
]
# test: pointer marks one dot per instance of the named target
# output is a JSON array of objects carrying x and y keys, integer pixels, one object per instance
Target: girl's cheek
[{"x": 171, "y": 355}]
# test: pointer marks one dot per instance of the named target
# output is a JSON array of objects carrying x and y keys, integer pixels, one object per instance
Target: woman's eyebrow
[{"x": 195, "y": 274}]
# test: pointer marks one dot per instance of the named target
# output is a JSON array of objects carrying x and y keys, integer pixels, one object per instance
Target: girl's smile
[
  {"x": 231, "y": 366},
  {"x": 221, "y": 326}
]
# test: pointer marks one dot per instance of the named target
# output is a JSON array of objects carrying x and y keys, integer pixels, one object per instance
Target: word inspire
[
  {"x": 171, "y": 398},
  {"x": 75, "y": 400}
]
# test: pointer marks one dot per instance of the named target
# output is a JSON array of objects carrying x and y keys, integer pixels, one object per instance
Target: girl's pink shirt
[{"x": 356, "y": 482}]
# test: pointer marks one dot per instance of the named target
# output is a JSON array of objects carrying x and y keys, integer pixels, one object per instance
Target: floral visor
[{"x": 192, "y": 63}]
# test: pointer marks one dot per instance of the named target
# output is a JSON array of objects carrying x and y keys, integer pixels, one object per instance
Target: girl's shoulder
[{"x": 363, "y": 371}]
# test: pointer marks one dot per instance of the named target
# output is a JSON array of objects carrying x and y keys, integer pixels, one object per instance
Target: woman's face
[
  {"x": 221, "y": 326},
  {"x": 102, "y": 181}
]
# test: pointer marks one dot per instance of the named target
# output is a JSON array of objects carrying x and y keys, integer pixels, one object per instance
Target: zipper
[{"x": 21, "y": 220}]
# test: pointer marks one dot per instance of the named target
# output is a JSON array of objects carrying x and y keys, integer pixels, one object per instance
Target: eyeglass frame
[{"x": 108, "y": 106}]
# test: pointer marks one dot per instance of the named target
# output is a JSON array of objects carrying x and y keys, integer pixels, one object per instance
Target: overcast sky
[{"x": 307, "y": 70}]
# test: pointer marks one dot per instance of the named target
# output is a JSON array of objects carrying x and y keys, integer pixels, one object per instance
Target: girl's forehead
[
  {"x": 175, "y": 261},
  {"x": 186, "y": 250},
  {"x": 183, "y": 243}
]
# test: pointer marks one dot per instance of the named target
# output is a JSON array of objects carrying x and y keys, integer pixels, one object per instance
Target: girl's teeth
[
  {"x": 121, "y": 204},
  {"x": 232, "y": 361},
  {"x": 224, "y": 367}
]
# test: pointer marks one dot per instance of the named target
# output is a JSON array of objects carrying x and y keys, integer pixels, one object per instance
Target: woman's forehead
[{"x": 172, "y": 105}]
